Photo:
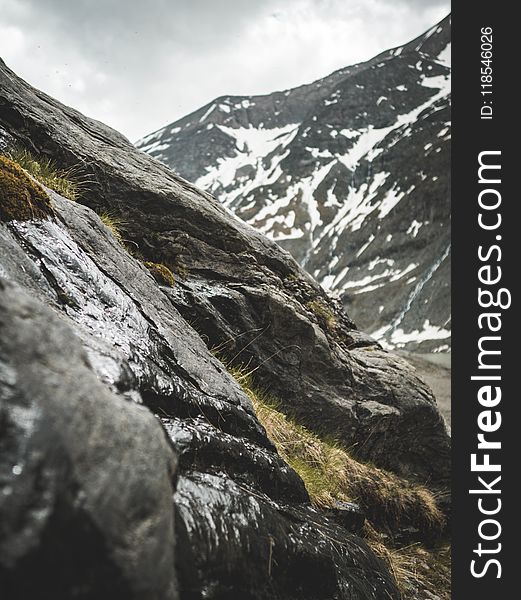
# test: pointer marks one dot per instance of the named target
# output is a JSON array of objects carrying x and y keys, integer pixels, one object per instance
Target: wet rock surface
[
  {"x": 290, "y": 553},
  {"x": 243, "y": 293},
  {"x": 244, "y": 526},
  {"x": 349, "y": 515},
  {"x": 85, "y": 476}
]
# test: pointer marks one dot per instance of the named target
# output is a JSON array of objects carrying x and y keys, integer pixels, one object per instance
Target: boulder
[{"x": 91, "y": 347}]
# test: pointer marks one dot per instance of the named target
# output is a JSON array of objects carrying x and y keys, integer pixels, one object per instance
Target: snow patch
[
  {"x": 207, "y": 113},
  {"x": 444, "y": 57},
  {"x": 428, "y": 332},
  {"x": 252, "y": 145},
  {"x": 414, "y": 228},
  {"x": 316, "y": 153},
  {"x": 365, "y": 246},
  {"x": 390, "y": 200}
]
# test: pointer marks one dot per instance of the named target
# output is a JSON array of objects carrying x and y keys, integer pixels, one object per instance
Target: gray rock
[
  {"x": 244, "y": 526},
  {"x": 349, "y": 515},
  {"x": 85, "y": 476},
  {"x": 293, "y": 553}
]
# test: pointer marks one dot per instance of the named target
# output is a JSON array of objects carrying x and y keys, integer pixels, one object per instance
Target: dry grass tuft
[
  {"x": 331, "y": 474},
  {"x": 115, "y": 224},
  {"x": 390, "y": 503},
  {"x": 161, "y": 273},
  {"x": 323, "y": 313},
  {"x": 419, "y": 572},
  {"x": 69, "y": 183}
]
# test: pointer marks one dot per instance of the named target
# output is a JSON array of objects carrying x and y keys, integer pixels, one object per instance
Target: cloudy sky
[{"x": 139, "y": 64}]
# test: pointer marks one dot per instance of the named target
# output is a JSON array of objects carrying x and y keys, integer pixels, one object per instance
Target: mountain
[
  {"x": 161, "y": 363},
  {"x": 350, "y": 174}
]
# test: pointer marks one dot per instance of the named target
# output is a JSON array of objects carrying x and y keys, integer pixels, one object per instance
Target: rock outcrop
[
  {"x": 87, "y": 474},
  {"x": 243, "y": 293},
  {"x": 351, "y": 174},
  {"x": 99, "y": 343}
]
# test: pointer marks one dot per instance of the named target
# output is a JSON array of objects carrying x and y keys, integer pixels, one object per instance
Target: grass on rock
[
  {"x": 115, "y": 224},
  {"x": 390, "y": 503},
  {"x": 331, "y": 474},
  {"x": 419, "y": 572},
  {"x": 161, "y": 273},
  {"x": 323, "y": 313},
  {"x": 66, "y": 182}
]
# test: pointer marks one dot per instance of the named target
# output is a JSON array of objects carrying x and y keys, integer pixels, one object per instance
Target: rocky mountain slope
[
  {"x": 350, "y": 174},
  {"x": 100, "y": 499}
]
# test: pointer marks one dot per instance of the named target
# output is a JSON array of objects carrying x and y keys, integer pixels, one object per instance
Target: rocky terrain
[
  {"x": 132, "y": 462},
  {"x": 351, "y": 174}
]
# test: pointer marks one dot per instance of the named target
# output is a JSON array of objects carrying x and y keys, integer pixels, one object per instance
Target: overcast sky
[{"x": 140, "y": 64}]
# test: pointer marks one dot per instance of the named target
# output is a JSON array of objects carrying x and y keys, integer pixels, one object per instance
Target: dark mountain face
[{"x": 350, "y": 174}]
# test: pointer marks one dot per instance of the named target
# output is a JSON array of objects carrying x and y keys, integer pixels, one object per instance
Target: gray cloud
[{"x": 138, "y": 65}]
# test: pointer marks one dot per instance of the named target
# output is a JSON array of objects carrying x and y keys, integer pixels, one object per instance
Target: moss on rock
[
  {"x": 161, "y": 273},
  {"x": 322, "y": 312},
  {"x": 21, "y": 198}
]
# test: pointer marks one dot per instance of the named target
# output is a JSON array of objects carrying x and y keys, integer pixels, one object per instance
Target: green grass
[{"x": 69, "y": 182}]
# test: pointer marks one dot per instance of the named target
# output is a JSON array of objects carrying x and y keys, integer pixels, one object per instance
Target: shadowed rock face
[
  {"x": 244, "y": 293},
  {"x": 351, "y": 174},
  {"x": 244, "y": 526}
]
